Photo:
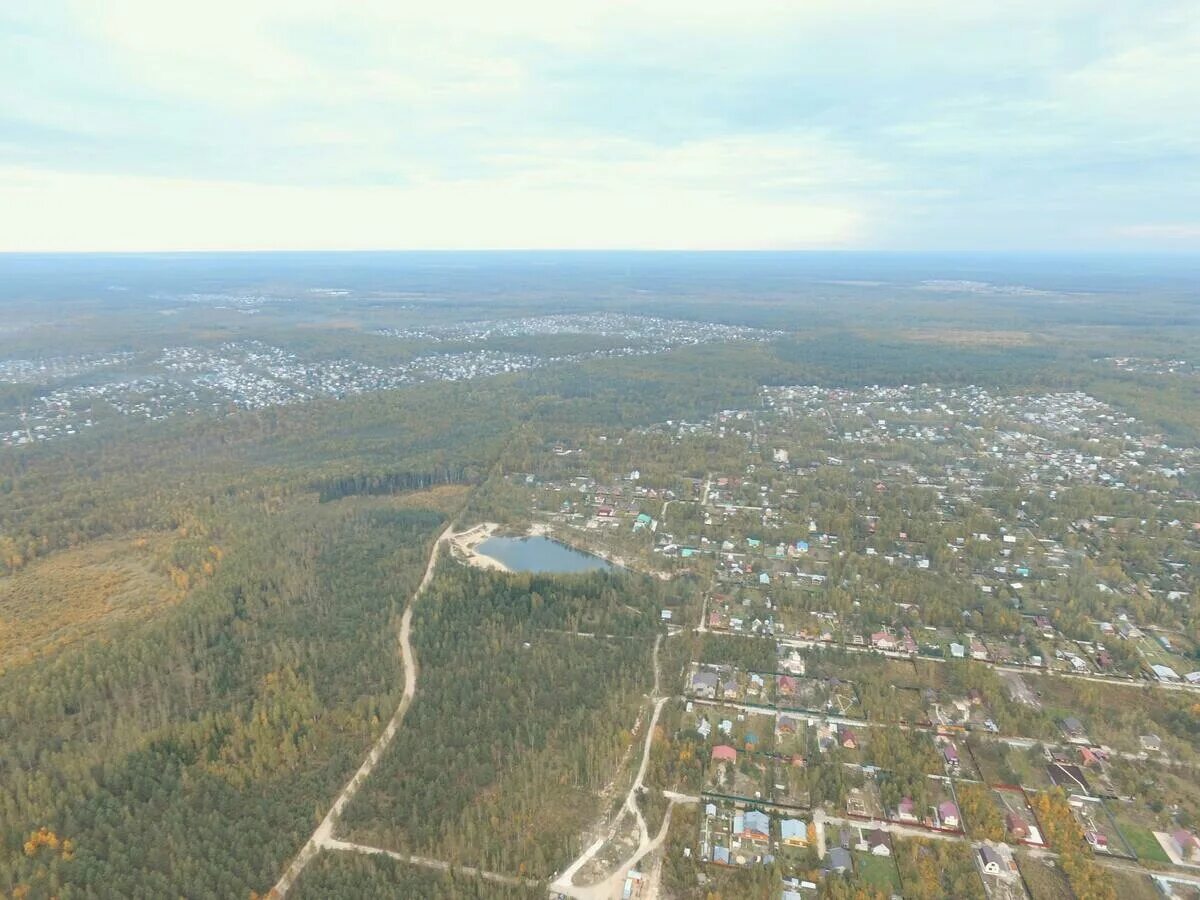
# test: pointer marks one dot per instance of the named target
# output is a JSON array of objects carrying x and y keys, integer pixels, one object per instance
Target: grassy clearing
[
  {"x": 877, "y": 871},
  {"x": 1144, "y": 843},
  {"x": 445, "y": 498}
]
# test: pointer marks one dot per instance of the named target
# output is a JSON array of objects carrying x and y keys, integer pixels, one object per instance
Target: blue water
[{"x": 539, "y": 554}]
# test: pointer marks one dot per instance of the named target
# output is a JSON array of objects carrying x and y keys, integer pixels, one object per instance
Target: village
[
  {"x": 904, "y": 568},
  {"x": 80, "y": 392},
  {"x": 635, "y": 334}
]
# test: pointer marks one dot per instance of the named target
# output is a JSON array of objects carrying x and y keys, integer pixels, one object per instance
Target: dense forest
[
  {"x": 238, "y": 712},
  {"x": 354, "y": 875},
  {"x": 519, "y": 723}
]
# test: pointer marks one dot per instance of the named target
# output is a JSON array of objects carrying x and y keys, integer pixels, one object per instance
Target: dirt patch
[{"x": 464, "y": 545}]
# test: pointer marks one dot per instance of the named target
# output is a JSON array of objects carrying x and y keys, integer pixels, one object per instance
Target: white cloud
[
  {"x": 100, "y": 212},
  {"x": 1164, "y": 232},
  {"x": 605, "y": 122}
]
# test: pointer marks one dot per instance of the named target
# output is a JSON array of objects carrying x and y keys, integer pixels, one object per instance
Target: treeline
[{"x": 391, "y": 482}]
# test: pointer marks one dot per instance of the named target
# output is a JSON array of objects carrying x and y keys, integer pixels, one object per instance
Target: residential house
[
  {"x": 990, "y": 861},
  {"x": 704, "y": 684},
  {"x": 724, "y": 753},
  {"x": 794, "y": 832},
  {"x": 948, "y": 815},
  {"x": 848, "y": 737},
  {"x": 1016, "y": 826},
  {"x": 1164, "y": 673},
  {"x": 950, "y": 754},
  {"x": 1186, "y": 845},
  {"x": 839, "y": 860},
  {"x": 1073, "y": 729},
  {"x": 756, "y": 826},
  {"x": 878, "y": 844}
]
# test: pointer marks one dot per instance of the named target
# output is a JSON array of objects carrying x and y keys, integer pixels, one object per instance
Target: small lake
[{"x": 539, "y": 554}]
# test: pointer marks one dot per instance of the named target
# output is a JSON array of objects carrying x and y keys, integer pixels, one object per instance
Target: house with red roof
[
  {"x": 724, "y": 753},
  {"x": 948, "y": 814}
]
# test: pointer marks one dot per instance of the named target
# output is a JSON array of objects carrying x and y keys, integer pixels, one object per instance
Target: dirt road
[
  {"x": 611, "y": 886},
  {"x": 323, "y": 836},
  {"x": 428, "y": 863}
]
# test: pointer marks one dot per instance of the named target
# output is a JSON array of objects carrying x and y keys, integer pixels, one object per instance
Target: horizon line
[{"x": 1163, "y": 251}]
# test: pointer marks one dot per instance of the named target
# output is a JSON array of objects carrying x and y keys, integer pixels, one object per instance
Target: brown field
[
  {"x": 1133, "y": 887},
  {"x": 445, "y": 498},
  {"x": 76, "y": 594},
  {"x": 1045, "y": 882},
  {"x": 337, "y": 324},
  {"x": 970, "y": 338}
]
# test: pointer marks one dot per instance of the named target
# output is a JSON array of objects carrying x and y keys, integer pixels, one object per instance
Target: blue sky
[{"x": 1050, "y": 125}]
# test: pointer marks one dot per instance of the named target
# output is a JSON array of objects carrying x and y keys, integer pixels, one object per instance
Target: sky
[{"x": 1048, "y": 125}]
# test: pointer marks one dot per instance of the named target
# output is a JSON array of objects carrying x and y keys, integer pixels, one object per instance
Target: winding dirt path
[
  {"x": 612, "y": 885},
  {"x": 323, "y": 836},
  {"x": 429, "y": 863}
]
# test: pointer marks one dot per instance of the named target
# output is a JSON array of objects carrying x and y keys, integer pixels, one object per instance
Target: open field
[
  {"x": 1143, "y": 842},
  {"x": 877, "y": 871},
  {"x": 74, "y": 595},
  {"x": 445, "y": 498},
  {"x": 966, "y": 337}
]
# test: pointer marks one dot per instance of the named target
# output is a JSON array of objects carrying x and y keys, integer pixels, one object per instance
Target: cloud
[
  {"x": 1034, "y": 123},
  {"x": 1171, "y": 232},
  {"x": 111, "y": 213}
]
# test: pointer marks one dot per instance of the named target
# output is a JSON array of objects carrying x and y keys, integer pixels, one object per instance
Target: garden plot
[
  {"x": 1099, "y": 829},
  {"x": 822, "y": 695},
  {"x": 1020, "y": 824}
]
